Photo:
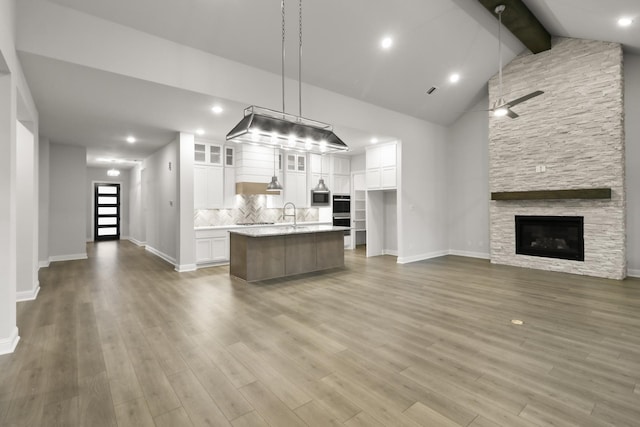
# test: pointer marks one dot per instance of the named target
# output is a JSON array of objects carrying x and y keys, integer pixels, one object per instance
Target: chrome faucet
[{"x": 284, "y": 213}]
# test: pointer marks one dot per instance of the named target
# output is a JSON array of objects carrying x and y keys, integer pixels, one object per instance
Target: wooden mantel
[{"x": 585, "y": 193}]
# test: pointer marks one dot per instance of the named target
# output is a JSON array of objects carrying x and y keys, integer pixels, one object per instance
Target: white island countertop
[
  {"x": 275, "y": 224},
  {"x": 286, "y": 230}
]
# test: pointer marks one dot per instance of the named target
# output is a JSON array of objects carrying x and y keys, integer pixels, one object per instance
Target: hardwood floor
[{"x": 122, "y": 339}]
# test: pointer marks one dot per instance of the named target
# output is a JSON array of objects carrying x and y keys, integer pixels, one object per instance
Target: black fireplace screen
[{"x": 550, "y": 236}]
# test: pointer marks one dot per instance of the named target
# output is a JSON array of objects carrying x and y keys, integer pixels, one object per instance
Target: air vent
[{"x": 431, "y": 90}]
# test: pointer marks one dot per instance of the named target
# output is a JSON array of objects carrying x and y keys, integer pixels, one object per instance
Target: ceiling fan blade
[
  {"x": 512, "y": 114},
  {"x": 525, "y": 98}
]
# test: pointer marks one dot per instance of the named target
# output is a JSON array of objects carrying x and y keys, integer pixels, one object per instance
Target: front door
[{"x": 107, "y": 212}]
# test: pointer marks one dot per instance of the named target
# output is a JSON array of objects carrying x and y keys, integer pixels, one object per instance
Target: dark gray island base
[{"x": 268, "y": 253}]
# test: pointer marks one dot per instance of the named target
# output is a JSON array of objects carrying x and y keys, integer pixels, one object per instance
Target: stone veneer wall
[
  {"x": 249, "y": 208},
  {"x": 575, "y": 129}
]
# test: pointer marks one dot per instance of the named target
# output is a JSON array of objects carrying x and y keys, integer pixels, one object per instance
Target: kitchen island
[{"x": 271, "y": 252}]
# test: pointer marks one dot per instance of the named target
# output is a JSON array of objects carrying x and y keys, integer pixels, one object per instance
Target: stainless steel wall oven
[{"x": 342, "y": 211}]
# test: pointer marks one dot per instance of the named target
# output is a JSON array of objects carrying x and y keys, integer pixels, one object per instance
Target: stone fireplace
[{"x": 571, "y": 137}]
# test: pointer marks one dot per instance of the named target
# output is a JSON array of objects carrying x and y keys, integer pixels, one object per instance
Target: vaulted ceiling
[{"x": 341, "y": 53}]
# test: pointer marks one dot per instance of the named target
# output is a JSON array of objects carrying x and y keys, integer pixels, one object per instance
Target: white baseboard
[
  {"x": 71, "y": 257},
  {"x": 481, "y": 255},
  {"x": 28, "y": 295},
  {"x": 633, "y": 273},
  {"x": 392, "y": 252},
  {"x": 136, "y": 241},
  {"x": 421, "y": 257},
  {"x": 211, "y": 264},
  {"x": 8, "y": 345},
  {"x": 162, "y": 255},
  {"x": 186, "y": 267},
  {"x": 44, "y": 264}
]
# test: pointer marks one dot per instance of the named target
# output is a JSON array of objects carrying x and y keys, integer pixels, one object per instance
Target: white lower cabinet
[{"x": 212, "y": 246}]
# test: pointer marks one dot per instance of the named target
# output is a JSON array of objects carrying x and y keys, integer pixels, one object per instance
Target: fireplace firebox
[{"x": 550, "y": 236}]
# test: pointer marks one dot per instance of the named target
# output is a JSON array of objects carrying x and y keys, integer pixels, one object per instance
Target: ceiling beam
[{"x": 522, "y": 23}]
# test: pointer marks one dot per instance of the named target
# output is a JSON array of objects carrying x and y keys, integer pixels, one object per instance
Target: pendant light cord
[
  {"x": 283, "y": 34},
  {"x": 300, "y": 59}
]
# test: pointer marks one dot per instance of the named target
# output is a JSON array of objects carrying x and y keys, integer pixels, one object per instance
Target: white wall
[
  {"x": 390, "y": 206},
  {"x": 26, "y": 220},
  {"x": 467, "y": 181},
  {"x": 98, "y": 175},
  {"x": 68, "y": 202},
  {"x": 137, "y": 229},
  {"x": 161, "y": 213},
  {"x": 186, "y": 248},
  {"x": 8, "y": 327},
  {"x": 16, "y": 103},
  {"x": 43, "y": 193},
  {"x": 632, "y": 147},
  {"x": 359, "y": 162}
]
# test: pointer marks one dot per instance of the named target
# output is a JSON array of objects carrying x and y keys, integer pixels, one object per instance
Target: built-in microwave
[{"x": 320, "y": 198}]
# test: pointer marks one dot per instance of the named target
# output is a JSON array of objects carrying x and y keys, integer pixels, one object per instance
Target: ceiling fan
[{"x": 502, "y": 108}]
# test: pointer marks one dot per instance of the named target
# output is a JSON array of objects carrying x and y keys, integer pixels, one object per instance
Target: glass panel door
[{"x": 107, "y": 211}]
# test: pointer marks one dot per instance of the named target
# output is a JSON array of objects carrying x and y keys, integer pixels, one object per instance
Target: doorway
[{"x": 107, "y": 212}]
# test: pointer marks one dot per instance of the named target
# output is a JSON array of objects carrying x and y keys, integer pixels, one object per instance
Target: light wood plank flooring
[{"x": 122, "y": 339}]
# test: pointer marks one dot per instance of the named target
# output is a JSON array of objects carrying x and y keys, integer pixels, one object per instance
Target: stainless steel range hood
[{"x": 276, "y": 129}]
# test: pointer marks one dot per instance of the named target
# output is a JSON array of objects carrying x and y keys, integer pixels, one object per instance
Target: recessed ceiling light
[
  {"x": 374, "y": 140},
  {"x": 386, "y": 43},
  {"x": 200, "y": 132},
  {"x": 454, "y": 78},
  {"x": 131, "y": 139},
  {"x": 217, "y": 109},
  {"x": 625, "y": 22}
]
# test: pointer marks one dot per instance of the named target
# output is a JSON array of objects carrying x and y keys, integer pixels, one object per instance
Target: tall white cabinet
[{"x": 381, "y": 199}]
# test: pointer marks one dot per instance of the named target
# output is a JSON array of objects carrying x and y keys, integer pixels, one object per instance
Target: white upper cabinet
[
  {"x": 206, "y": 153},
  {"x": 341, "y": 165},
  {"x": 382, "y": 167},
  {"x": 213, "y": 175},
  {"x": 295, "y": 180},
  {"x": 340, "y": 175},
  {"x": 341, "y": 184},
  {"x": 319, "y": 164},
  {"x": 208, "y": 187}
]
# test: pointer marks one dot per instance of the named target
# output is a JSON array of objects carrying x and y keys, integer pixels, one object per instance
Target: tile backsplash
[{"x": 249, "y": 208}]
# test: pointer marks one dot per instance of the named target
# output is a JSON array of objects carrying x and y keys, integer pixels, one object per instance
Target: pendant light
[
  {"x": 272, "y": 128},
  {"x": 274, "y": 185},
  {"x": 321, "y": 187}
]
